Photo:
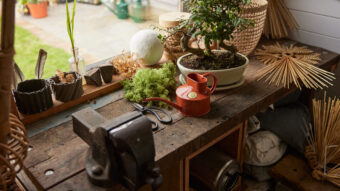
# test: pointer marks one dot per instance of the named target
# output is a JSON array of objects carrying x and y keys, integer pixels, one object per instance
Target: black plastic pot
[
  {"x": 93, "y": 77},
  {"x": 106, "y": 70},
  {"x": 67, "y": 91},
  {"x": 33, "y": 96}
]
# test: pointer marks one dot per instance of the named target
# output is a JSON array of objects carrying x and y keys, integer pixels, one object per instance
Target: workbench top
[{"x": 59, "y": 149}]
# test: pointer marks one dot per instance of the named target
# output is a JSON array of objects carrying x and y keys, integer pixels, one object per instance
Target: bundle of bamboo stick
[
  {"x": 279, "y": 20},
  {"x": 292, "y": 64},
  {"x": 323, "y": 150}
]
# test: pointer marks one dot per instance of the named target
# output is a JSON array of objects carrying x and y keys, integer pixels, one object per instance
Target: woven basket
[
  {"x": 247, "y": 40},
  {"x": 172, "y": 46},
  {"x": 13, "y": 154}
]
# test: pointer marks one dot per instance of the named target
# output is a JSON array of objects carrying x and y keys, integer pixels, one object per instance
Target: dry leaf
[
  {"x": 61, "y": 76},
  {"x": 126, "y": 65},
  {"x": 69, "y": 78}
]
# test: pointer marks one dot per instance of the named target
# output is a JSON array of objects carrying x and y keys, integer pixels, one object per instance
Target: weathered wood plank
[
  {"x": 66, "y": 163},
  {"x": 82, "y": 183},
  {"x": 295, "y": 172},
  {"x": 172, "y": 181},
  {"x": 26, "y": 181},
  {"x": 49, "y": 140},
  {"x": 173, "y": 143}
]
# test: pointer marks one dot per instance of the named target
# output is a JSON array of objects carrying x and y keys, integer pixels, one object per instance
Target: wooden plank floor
[
  {"x": 60, "y": 150},
  {"x": 294, "y": 171}
]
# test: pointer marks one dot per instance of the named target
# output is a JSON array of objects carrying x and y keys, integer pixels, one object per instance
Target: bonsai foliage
[
  {"x": 70, "y": 29},
  {"x": 212, "y": 20}
]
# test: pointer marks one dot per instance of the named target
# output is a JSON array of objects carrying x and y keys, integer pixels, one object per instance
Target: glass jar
[
  {"x": 81, "y": 63},
  {"x": 138, "y": 12}
]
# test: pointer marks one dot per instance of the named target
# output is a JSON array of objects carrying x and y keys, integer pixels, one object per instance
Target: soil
[{"x": 219, "y": 61}]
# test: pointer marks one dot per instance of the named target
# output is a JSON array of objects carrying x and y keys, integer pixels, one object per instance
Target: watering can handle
[{"x": 212, "y": 89}]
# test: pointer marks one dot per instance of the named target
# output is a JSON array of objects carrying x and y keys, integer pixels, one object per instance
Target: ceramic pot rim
[{"x": 221, "y": 70}]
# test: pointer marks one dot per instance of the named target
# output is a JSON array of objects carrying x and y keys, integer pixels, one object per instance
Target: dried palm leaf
[
  {"x": 323, "y": 151},
  {"x": 18, "y": 76},
  {"x": 279, "y": 20},
  {"x": 292, "y": 64},
  {"x": 69, "y": 78},
  {"x": 39, "y": 67},
  {"x": 61, "y": 76},
  {"x": 126, "y": 64},
  {"x": 18, "y": 73},
  {"x": 65, "y": 78}
]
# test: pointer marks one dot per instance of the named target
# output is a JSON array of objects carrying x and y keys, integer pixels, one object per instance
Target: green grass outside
[{"x": 27, "y": 48}]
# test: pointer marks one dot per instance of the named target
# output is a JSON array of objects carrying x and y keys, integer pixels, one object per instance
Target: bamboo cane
[
  {"x": 6, "y": 72},
  {"x": 6, "y": 66},
  {"x": 324, "y": 144},
  {"x": 292, "y": 64},
  {"x": 279, "y": 20}
]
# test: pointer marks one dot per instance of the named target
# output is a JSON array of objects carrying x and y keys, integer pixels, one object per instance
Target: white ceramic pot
[{"x": 224, "y": 77}]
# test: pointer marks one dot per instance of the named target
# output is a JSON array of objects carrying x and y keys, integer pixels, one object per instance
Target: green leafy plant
[
  {"x": 23, "y": 2},
  {"x": 32, "y": 1},
  {"x": 70, "y": 30},
  {"x": 211, "y": 21},
  {"x": 149, "y": 82}
]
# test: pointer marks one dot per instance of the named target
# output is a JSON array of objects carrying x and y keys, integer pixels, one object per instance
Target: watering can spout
[{"x": 172, "y": 104}]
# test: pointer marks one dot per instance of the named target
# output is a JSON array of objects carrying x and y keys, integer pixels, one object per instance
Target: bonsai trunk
[
  {"x": 231, "y": 48},
  {"x": 199, "y": 52},
  {"x": 185, "y": 44}
]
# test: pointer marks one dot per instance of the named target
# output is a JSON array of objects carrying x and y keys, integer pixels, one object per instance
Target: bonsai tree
[{"x": 212, "y": 21}]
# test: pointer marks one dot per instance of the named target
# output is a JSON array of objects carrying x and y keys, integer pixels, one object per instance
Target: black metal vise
[{"x": 121, "y": 150}]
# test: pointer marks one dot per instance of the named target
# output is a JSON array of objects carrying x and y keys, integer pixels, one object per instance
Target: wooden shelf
[
  {"x": 235, "y": 137},
  {"x": 90, "y": 92}
]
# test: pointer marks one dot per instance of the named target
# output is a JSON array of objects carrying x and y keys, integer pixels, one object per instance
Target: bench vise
[{"x": 122, "y": 150}]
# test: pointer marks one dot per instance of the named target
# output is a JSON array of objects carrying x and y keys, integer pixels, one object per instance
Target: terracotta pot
[
  {"x": 33, "y": 96},
  {"x": 224, "y": 76},
  {"x": 67, "y": 91},
  {"x": 38, "y": 10}
]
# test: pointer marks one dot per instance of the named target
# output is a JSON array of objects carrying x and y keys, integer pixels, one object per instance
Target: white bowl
[{"x": 224, "y": 76}]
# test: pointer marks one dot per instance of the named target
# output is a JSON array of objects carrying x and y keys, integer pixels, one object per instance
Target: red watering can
[{"x": 193, "y": 98}]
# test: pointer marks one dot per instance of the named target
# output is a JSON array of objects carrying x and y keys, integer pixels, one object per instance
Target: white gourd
[{"x": 146, "y": 45}]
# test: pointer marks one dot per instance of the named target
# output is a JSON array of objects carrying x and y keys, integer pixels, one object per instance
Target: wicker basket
[
  {"x": 172, "y": 46},
  {"x": 247, "y": 40}
]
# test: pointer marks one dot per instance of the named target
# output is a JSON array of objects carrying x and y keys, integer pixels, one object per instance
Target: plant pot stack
[
  {"x": 67, "y": 91},
  {"x": 33, "y": 96}
]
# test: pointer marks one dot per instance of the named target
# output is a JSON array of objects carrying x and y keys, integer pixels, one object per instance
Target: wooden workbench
[{"x": 60, "y": 150}]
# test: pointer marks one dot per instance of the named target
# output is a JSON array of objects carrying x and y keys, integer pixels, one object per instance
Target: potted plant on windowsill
[
  {"x": 38, "y": 8},
  {"x": 213, "y": 23},
  {"x": 68, "y": 86}
]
